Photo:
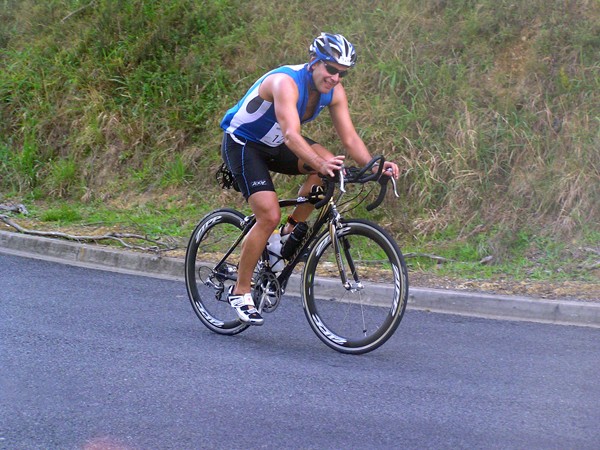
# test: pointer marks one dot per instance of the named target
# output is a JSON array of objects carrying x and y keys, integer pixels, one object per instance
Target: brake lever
[{"x": 389, "y": 169}]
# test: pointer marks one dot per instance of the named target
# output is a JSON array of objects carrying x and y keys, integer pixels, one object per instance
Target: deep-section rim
[
  {"x": 231, "y": 217},
  {"x": 356, "y": 346}
]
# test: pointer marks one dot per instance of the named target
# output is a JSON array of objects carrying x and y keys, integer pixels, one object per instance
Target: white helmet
[{"x": 333, "y": 48}]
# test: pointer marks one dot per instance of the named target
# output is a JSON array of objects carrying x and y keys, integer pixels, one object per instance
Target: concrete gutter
[{"x": 580, "y": 313}]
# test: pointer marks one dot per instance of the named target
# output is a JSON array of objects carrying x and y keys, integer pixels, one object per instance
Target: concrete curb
[{"x": 579, "y": 313}]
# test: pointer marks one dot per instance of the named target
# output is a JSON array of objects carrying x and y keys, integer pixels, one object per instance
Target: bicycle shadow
[{"x": 286, "y": 335}]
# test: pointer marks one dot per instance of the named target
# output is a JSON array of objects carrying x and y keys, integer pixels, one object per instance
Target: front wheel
[{"x": 360, "y": 315}]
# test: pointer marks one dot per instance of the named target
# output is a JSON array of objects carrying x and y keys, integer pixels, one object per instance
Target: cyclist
[{"x": 263, "y": 133}]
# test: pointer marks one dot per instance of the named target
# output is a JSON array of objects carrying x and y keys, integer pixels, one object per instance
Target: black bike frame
[
  {"x": 311, "y": 235},
  {"x": 326, "y": 205}
]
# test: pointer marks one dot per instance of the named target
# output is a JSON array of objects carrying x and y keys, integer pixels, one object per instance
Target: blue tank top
[{"x": 254, "y": 118}]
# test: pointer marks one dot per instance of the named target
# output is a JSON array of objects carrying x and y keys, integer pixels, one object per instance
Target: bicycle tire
[
  {"x": 361, "y": 319},
  {"x": 207, "y": 285}
]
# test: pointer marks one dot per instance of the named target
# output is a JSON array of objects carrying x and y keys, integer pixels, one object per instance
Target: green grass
[
  {"x": 529, "y": 257},
  {"x": 62, "y": 214},
  {"x": 491, "y": 108},
  {"x": 176, "y": 173},
  {"x": 170, "y": 219}
]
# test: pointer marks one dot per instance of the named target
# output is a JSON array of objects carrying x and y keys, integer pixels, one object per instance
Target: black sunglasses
[{"x": 333, "y": 71}]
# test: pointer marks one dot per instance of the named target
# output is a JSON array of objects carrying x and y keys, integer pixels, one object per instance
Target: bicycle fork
[{"x": 341, "y": 244}]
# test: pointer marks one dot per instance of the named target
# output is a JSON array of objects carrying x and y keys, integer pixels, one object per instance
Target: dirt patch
[{"x": 565, "y": 290}]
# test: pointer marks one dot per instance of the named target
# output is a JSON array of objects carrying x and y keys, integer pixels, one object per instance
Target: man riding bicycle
[{"x": 263, "y": 133}]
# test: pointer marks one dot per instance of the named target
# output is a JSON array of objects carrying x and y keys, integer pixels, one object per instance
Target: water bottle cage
[
  {"x": 292, "y": 242},
  {"x": 274, "y": 260}
]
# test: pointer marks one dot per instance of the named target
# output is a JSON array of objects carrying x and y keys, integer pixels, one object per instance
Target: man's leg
[
  {"x": 266, "y": 209},
  {"x": 265, "y": 206}
]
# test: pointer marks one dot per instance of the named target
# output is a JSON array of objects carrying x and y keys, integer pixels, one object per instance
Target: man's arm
[
  {"x": 342, "y": 122},
  {"x": 283, "y": 92},
  {"x": 340, "y": 115}
]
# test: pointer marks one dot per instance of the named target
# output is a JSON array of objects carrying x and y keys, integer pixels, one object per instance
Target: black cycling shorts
[{"x": 251, "y": 162}]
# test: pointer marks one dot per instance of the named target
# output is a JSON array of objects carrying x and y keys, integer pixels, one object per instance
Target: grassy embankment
[{"x": 110, "y": 109}]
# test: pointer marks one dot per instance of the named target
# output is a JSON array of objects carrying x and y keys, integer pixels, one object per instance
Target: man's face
[{"x": 326, "y": 75}]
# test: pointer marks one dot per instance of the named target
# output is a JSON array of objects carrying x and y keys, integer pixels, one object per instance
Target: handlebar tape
[
  {"x": 363, "y": 179},
  {"x": 328, "y": 195},
  {"x": 383, "y": 181}
]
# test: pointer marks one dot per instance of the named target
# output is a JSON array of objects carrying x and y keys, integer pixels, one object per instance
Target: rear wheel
[
  {"x": 359, "y": 316},
  {"x": 206, "y": 280}
]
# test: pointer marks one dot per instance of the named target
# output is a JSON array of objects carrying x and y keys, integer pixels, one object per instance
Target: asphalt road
[{"x": 92, "y": 359}]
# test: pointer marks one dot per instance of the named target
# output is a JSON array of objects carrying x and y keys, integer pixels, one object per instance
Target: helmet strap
[{"x": 310, "y": 73}]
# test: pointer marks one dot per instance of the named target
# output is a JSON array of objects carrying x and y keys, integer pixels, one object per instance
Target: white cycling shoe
[{"x": 244, "y": 307}]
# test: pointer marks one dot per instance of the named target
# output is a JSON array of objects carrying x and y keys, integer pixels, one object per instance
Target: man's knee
[
  {"x": 266, "y": 208},
  {"x": 314, "y": 178},
  {"x": 271, "y": 218}
]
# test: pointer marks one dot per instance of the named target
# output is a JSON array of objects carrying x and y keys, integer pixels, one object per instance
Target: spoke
[{"x": 362, "y": 312}]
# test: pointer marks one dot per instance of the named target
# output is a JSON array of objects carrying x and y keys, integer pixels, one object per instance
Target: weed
[
  {"x": 176, "y": 173},
  {"x": 64, "y": 214},
  {"x": 63, "y": 176}
]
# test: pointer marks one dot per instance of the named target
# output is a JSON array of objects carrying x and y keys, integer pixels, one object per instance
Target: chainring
[{"x": 267, "y": 291}]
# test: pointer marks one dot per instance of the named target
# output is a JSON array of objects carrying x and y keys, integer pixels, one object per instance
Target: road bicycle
[{"x": 353, "y": 285}]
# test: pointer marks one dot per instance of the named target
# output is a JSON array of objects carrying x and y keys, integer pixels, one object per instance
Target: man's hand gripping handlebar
[{"x": 360, "y": 176}]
